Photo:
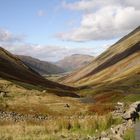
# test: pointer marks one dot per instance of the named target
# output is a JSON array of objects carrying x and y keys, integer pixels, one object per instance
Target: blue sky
[
  {"x": 22, "y": 17},
  {"x": 43, "y": 28}
]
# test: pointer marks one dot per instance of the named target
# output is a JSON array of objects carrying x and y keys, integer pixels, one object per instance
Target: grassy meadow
[
  {"x": 79, "y": 120},
  {"x": 58, "y": 128}
]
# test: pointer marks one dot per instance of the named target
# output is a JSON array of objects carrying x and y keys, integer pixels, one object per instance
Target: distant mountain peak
[{"x": 74, "y": 61}]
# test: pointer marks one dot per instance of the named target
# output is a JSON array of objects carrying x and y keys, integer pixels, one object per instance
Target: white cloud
[
  {"x": 51, "y": 53},
  {"x": 89, "y": 4},
  {"x": 95, "y": 4},
  {"x": 104, "y": 19},
  {"x": 41, "y": 13},
  {"x": 16, "y": 45},
  {"x": 7, "y": 36}
]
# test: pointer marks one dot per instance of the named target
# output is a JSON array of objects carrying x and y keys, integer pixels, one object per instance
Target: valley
[{"x": 77, "y": 105}]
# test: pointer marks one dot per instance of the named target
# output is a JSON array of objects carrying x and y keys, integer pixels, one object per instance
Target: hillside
[
  {"x": 118, "y": 68},
  {"x": 12, "y": 68},
  {"x": 74, "y": 61},
  {"x": 42, "y": 67}
]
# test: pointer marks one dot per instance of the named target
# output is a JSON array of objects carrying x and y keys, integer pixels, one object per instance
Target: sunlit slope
[
  {"x": 123, "y": 77},
  {"x": 74, "y": 61},
  {"x": 118, "y": 59}
]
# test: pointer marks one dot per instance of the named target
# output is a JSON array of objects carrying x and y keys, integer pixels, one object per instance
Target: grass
[
  {"x": 24, "y": 132},
  {"x": 54, "y": 77},
  {"x": 79, "y": 120},
  {"x": 129, "y": 135},
  {"x": 56, "y": 128},
  {"x": 124, "y": 79},
  {"x": 102, "y": 109},
  {"x": 33, "y": 101},
  {"x": 131, "y": 98}
]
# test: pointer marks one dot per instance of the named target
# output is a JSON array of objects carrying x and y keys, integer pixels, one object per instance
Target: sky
[{"x": 52, "y": 29}]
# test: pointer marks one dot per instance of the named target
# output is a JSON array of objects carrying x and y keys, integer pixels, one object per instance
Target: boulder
[
  {"x": 128, "y": 114},
  {"x": 117, "y": 137},
  {"x": 132, "y": 112},
  {"x": 120, "y": 104},
  {"x": 67, "y": 105},
  {"x": 136, "y": 105},
  {"x": 44, "y": 91},
  {"x": 105, "y": 139},
  {"x": 3, "y": 94}
]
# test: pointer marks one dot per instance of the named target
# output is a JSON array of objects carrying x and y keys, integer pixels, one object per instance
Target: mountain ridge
[
  {"x": 74, "y": 61},
  {"x": 12, "y": 68},
  {"x": 42, "y": 67},
  {"x": 119, "y": 62}
]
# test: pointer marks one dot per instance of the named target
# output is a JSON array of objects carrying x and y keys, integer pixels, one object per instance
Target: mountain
[
  {"x": 13, "y": 69},
  {"x": 42, "y": 67},
  {"x": 118, "y": 68},
  {"x": 74, "y": 61}
]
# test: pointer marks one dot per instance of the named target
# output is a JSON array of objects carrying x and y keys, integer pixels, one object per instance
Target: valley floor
[{"x": 32, "y": 114}]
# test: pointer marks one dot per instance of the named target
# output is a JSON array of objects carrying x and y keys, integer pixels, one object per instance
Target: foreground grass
[
  {"x": 78, "y": 121},
  {"x": 129, "y": 135},
  {"x": 131, "y": 98},
  {"x": 56, "y": 129}
]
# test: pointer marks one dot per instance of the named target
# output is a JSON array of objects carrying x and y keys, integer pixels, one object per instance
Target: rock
[
  {"x": 105, "y": 139},
  {"x": 132, "y": 113},
  {"x": 3, "y": 94},
  {"x": 120, "y": 104},
  {"x": 117, "y": 137},
  {"x": 136, "y": 105},
  {"x": 119, "y": 109},
  {"x": 103, "y": 134},
  {"x": 62, "y": 136},
  {"x": 129, "y": 124},
  {"x": 129, "y": 116},
  {"x": 44, "y": 91},
  {"x": 67, "y": 105},
  {"x": 118, "y": 130}
]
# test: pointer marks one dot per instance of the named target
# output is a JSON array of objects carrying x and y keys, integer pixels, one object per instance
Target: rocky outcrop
[
  {"x": 3, "y": 94},
  {"x": 133, "y": 112},
  {"x": 119, "y": 109},
  {"x": 130, "y": 115}
]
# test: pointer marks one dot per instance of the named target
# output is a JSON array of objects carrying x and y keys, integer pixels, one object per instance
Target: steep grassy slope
[
  {"x": 118, "y": 59},
  {"x": 75, "y": 61},
  {"x": 114, "y": 75},
  {"x": 12, "y": 68},
  {"x": 42, "y": 67}
]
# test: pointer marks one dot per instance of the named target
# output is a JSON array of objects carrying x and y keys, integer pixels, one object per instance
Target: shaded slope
[
  {"x": 12, "y": 68},
  {"x": 120, "y": 51},
  {"x": 75, "y": 61},
  {"x": 42, "y": 67}
]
